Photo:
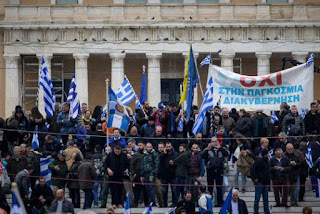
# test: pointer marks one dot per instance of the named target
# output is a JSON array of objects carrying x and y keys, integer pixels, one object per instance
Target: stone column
[
  {"x": 195, "y": 91},
  {"x": 227, "y": 60},
  {"x": 263, "y": 63},
  {"x": 154, "y": 79},
  {"x": 81, "y": 69},
  {"x": 47, "y": 59},
  {"x": 300, "y": 56},
  {"x": 12, "y": 84},
  {"x": 117, "y": 69}
]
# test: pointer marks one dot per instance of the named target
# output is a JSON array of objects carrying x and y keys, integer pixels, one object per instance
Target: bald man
[
  {"x": 60, "y": 204},
  {"x": 295, "y": 164}
]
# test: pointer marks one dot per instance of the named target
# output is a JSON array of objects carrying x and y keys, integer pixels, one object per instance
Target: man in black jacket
[
  {"x": 42, "y": 196},
  {"x": 261, "y": 178},
  {"x": 238, "y": 204},
  {"x": 187, "y": 203},
  {"x": 135, "y": 172},
  {"x": 167, "y": 172},
  {"x": 117, "y": 166},
  {"x": 279, "y": 169},
  {"x": 214, "y": 156},
  {"x": 295, "y": 164}
]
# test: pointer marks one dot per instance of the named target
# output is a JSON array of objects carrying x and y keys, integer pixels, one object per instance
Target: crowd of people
[{"x": 158, "y": 151}]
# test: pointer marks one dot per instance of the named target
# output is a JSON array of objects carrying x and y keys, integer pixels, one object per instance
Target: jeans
[
  {"x": 165, "y": 188},
  {"x": 236, "y": 178},
  {"x": 150, "y": 179},
  {"x": 96, "y": 195},
  {"x": 179, "y": 189},
  {"x": 260, "y": 189},
  {"x": 88, "y": 198}
]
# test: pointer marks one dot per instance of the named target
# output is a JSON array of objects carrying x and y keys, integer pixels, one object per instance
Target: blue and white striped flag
[
  {"x": 127, "y": 207},
  {"x": 303, "y": 112},
  {"x": 171, "y": 211},
  {"x": 309, "y": 156},
  {"x": 274, "y": 117},
  {"x": 126, "y": 93},
  {"x": 206, "y": 105},
  {"x": 148, "y": 210},
  {"x": 73, "y": 99},
  {"x": 44, "y": 169},
  {"x": 35, "y": 140},
  {"x": 270, "y": 154},
  {"x": 206, "y": 61},
  {"x": 48, "y": 91},
  {"x": 310, "y": 60},
  {"x": 17, "y": 206}
]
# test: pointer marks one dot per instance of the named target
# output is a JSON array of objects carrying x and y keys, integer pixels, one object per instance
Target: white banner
[{"x": 293, "y": 86}]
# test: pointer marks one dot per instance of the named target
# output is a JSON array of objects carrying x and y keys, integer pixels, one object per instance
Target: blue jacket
[
  {"x": 68, "y": 126},
  {"x": 120, "y": 141}
]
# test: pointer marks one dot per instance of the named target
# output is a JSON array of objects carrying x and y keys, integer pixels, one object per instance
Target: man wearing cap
[
  {"x": 59, "y": 171},
  {"x": 161, "y": 117},
  {"x": 148, "y": 129}
]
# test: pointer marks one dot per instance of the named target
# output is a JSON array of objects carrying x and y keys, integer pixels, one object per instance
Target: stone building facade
[{"x": 99, "y": 39}]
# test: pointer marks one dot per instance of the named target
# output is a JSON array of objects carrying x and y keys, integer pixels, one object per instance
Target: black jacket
[
  {"x": 295, "y": 170},
  {"x": 312, "y": 123},
  {"x": 244, "y": 126},
  {"x": 242, "y": 207},
  {"x": 214, "y": 158},
  {"x": 46, "y": 192},
  {"x": 260, "y": 170},
  {"x": 189, "y": 205},
  {"x": 67, "y": 206},
  {"x": 167, "y": 171},
  {"x": 118, "y": 164},
  {"x": 285, "y": 163}
]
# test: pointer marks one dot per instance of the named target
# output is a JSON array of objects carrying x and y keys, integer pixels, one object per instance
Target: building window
[
  {"x": 66, "y": 2},
  {"x": 207, "y": 1},
  {"x": 136, "y": 1},
  {"x": 171, "y": 1}
]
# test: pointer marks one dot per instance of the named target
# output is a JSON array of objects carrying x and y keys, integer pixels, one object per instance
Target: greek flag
[
  {"x": 73, "y": 99},
  {"x": 148, "y": 210},
  {"x": 171, "y": 211},
  {"x": 206, "y": 61},
  {"x": 126, "y": 93},
  {"x": 17, "y": 206},
  {"x": 303, "y": 112},
  {"x": 310, "y": 60},
  {"x": 316, "y": 183},
  {"x": 309, "y": 156},
  {"x": 274, "y": 117},
  {"x": 206, "y": 105},
  {"x": 35, "y": 140},
  {"x": 180, "y": 125},
  {"x": 127, "y": 207},
  {"x": 270, "y": 154},
  {"x": 118, "y": 116},
  {"x": 226, "y": 207},
  {"x": 48, "y": 91},
  {"x": 44, "y": 170}
]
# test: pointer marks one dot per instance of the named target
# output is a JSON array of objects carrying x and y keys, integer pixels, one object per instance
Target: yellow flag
[{"x": 185, "y": 80}]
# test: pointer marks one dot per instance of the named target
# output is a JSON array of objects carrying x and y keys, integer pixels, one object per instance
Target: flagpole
[
  {"x": 200, "y": 86},
  {"x": 107, "y": 111},
  {"x": 135, "y": 95}
]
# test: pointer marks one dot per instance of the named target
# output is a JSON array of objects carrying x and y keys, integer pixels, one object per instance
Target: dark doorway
[{"x": 170, "y": 90}]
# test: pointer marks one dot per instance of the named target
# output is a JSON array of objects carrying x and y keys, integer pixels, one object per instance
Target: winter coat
[
  {"x": 120, "y": 141},
  {"x": 47, "y": 194},
  {"x": 293, "y": 125},
  {"x": 242, "y": 207},
  {"x": 315, "y": 150},
  {"x": 150, "y": 163},
  {"x": 69, "y": 153},
  {"x": 181, "y": 163},
  {"x": 312, "y": 123},
  {"x": 243, "y": 164},
  {"x": 62, "y": 173},
  {"x": 74, "y": 174},
  {"x": 135, "y": 163},
  {"x": 87, "y": 173},
  {"x": 51, "y": 148},
  {"x": 167, "y": 171},
  {"x": 285, "y": 163},
  {"x": 23, "y": 182},
  {"x": 244, "y": 126},
  {"x": 140, "y": 116},
  {"x": 147, "y": 131},
  {"x": 15, "y": 166},
  {"x": 228, "y": 123},
  {"x": 118, "y": 164},
  {"x": 294, "y": 172},
  {"x": 260, "y": 125},
  {"x": 214, "y": 158},
  {"x": 161, "y": 119},
  {"x": 67, "y": 206},
  {"x": 260, "y": 170},
  {"x": 68, "y": 127}
]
